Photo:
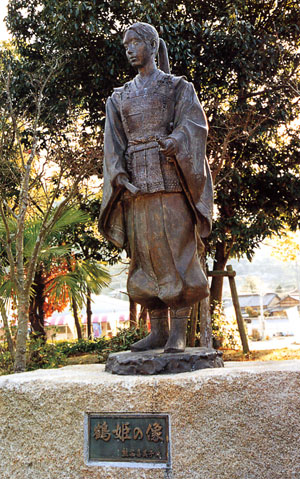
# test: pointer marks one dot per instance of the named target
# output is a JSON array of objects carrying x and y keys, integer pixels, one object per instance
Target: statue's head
[{"x": 142, "y": 40}]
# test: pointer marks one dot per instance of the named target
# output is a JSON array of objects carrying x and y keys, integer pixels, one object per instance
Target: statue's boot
[
  {"x": 159, "y": 332},
  {"x": 177, "y": 338}
]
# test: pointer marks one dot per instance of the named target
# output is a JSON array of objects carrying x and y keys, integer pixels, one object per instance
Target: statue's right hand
[{"x": 121, "y": 179}]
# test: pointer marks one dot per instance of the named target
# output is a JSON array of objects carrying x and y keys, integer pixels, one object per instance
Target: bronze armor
[{"x": 147, "y": 115}]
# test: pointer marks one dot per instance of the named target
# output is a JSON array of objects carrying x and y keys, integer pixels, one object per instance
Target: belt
[{"x": 143, "y": 144}]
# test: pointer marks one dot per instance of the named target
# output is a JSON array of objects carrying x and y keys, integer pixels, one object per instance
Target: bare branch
[
  {"x": 12, "y": 114},
  {"x": 8, "y": 247},
  {"x": 45, "y": 228},
  {"x": 9, "y": 209}
]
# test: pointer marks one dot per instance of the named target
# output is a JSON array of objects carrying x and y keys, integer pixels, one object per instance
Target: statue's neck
[{"x": 147, "y": 70}]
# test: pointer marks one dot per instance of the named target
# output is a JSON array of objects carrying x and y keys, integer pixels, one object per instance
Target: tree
[
  {"x": 50, "y": 264},
  {"x": 81, "y": 279},
  {"x": 243, "y": 57},
  {"x": 287, "y": 246},
  {"x": 57, "y": 263},
  {"x": 251, "y": 284},
  {"x": 38, "y": 153},
  {"x": 6, "y": 324},
  {"x": 88, "y": 245}
]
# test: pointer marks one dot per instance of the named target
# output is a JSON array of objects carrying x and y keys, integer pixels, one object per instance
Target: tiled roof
[{"x": 252, "y": 300}]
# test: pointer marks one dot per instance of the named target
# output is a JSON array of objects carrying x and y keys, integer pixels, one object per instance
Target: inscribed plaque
[{"x": 133, "y": 440}]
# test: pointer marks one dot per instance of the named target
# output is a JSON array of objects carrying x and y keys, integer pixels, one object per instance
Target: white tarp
[{"x": 104, "y": 309}]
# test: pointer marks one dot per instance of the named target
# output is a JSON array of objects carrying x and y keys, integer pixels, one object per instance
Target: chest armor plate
[{"x": 147, "y": 114}]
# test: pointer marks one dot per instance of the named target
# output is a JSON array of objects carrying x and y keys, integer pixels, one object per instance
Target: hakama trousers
[{"x": 165, "y": 270}]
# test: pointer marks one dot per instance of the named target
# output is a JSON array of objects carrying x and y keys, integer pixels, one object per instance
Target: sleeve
[
  {"x": 111, "y": 220},
  {"x": 190, "y": 124},
  {"x": 190, "y": 134},
  {"x": 115, "y": 141}
]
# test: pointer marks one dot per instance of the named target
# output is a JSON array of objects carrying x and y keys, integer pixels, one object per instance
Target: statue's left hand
[{"x": 168, "y": 147}]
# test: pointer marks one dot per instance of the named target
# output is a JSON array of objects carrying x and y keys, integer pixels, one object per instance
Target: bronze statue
[{"x": 157, "y": 195}]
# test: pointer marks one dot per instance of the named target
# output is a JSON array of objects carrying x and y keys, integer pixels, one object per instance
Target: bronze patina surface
[{"x": 158, "y": 195}]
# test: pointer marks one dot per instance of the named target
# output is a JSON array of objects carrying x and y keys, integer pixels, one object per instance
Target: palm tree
[
  {"x": 89, "y": 273},
  {"x": 84, "y": 278}
]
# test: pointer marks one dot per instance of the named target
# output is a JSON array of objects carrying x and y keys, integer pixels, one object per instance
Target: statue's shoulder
[
  {"x": 172, "y": 80},
  {"x": 118, "y": 89},
  {"x": 116, "y": 96},
  {"x": 119, "y": 92}
]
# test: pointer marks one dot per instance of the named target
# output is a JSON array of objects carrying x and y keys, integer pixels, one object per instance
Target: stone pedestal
[
  {"x": 237, "y": 422},
  {"x": 158, "y": 362}
]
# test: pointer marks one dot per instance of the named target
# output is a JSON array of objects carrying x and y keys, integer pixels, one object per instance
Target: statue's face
[{"x": 138, "y": 52}]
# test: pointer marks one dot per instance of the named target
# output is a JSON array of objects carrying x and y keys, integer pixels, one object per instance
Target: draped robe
[{"x": 159, "y": 225}]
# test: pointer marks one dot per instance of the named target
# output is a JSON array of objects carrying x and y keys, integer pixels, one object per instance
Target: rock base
[
  {"x": 158, "y": 362},
  {"x": 236, "y": 422}
]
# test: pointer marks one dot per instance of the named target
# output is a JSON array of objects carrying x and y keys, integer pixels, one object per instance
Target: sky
[{"x": 3, "y": 12}]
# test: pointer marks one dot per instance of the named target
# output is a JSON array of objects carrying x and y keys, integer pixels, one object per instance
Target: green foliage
[
  {"x": 86, "y": 243},
  {"x": 6, "y": 362},
  {"x": 81, "y": 346},
  {"x": 54, "y": 249},
  {"x": 84, "y": 276},
  {"x": 122, "y": 342},
  {"x": 225, "y": 331},
  {"x": 251, "y": 312},
  {"x": 50, "y": 250},
  {"x": 243, "y": 57},
  {"x": 44, "y": 356}
]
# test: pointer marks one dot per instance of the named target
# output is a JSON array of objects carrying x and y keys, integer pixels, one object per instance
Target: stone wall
[{"x": 240, "y": 422}]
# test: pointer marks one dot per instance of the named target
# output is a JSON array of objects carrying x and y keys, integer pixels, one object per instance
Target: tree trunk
[
  {"x": 89, "y": 313},
  {"x": 204, "y": 314},
  {"x": 23, "y": 319},
  {"x": 205, "y": 323},
  {"x": 142, "y": 322},
  {"x": 132, "y": 313},
  {"x": 9, "y": 340},
  {"x": 36, "y": 308},
  {"x": 191, "y": 336},
  {"x": 76, "y": 317},
  {"x": 221, "y": 258}
]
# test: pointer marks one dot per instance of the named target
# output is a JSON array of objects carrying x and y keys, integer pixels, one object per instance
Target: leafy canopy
[{"x": 243, "y": 58}]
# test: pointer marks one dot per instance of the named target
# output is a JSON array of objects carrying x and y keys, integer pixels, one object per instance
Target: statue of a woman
[{"x": 157, "y": 197}]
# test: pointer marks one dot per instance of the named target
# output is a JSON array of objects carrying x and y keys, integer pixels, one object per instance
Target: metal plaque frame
[{"x": 142, "y": 462}]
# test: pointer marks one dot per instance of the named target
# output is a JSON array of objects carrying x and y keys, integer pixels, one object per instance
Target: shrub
[
  {"x": 122, "y": 342},
  {"x": 43, "y": 355},
  {"x": 6, "y": 362},
  {"x": 251, "y": 312},
  {"x": 256, "y": 336},
  {"x": 47, "y": 355},
  {"x": 71, "y": 348},
  {"x": 225, "y": 331}
]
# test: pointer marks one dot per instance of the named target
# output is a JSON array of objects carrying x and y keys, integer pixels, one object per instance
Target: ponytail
[{"x": 163, "y": 58}]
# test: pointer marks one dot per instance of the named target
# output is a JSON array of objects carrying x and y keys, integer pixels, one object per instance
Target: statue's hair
[{"x": 149, "y": 34}]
